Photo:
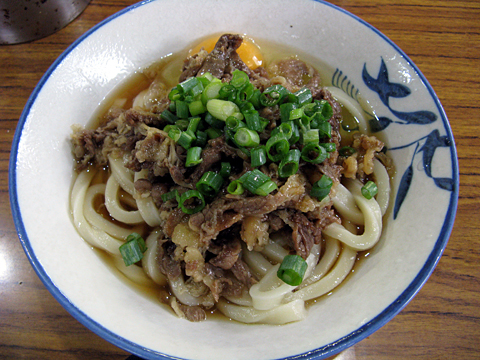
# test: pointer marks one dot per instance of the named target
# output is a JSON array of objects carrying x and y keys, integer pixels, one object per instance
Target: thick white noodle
[
  {"x": 337, "y": 274},
  {"x": 94, "y": 236},
  {"x": 344, "y": 203},
  {"x": 145, "y": 205},
  {"x": 179, "y": 289},
  {"x": 383, "y": 183},
  {"x": 149, "y": 261},
  {"x": 270, "y": 291},
  {"x": 133, "y": 272},
  {"x": 244, "y": 300},
  {"x": 97, "y": 220},
  {"x": 332, "y": 250},
  {"x": 283, "y": 314},
  {"x": 115, "y": 208},
  {"x": 373, "y": 222},
  {"x": 274, "y": 252},
  {"x": 256, "y": 262},
  {"x": 352, "y": 106},
  {"x": 123, "y": 175}
]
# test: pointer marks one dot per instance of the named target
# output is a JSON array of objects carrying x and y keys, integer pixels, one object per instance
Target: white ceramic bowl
[{"x": 362, "y": 60}]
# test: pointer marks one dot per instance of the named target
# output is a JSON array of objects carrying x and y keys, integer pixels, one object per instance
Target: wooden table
[{"x": 442, "y": 322}]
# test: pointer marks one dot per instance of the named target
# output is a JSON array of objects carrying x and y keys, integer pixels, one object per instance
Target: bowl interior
[{"x": 365, "y": 66}]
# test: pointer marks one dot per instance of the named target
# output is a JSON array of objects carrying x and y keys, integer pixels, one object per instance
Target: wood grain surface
[{"x": 441, "y": 322}]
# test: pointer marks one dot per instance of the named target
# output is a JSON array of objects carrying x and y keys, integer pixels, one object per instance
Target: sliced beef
[{"x": 228, "y": 255}]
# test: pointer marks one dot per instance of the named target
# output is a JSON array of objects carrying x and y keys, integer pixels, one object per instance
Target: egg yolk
[{"x": 249, "y": 52}]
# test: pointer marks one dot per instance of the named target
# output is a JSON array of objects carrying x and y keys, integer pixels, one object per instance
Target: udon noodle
[{"x": 223, "y": 250}]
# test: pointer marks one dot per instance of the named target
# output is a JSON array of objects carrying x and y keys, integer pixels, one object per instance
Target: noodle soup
[{"x": 244, "y": 188}]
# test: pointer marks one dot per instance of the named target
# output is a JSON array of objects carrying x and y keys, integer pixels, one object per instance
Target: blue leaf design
[
  {"x": 445, "y": 183},
  {"x": 433, "y": 141},
  {"x": 379, "y": 124},
  {"x": 382, "y": 86},
  {"x": 405, "y": 183},
  {"x": 422, "y": 117}
]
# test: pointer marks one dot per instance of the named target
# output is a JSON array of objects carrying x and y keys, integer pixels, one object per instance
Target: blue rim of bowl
[{"x": 325, "y": 351}]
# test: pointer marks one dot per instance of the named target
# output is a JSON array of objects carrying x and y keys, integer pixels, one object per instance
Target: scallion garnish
[
  {"x": 225, "y": 169},
  {"x": 277, "y": 146},
  {"x": 321, "y": 188},
  {"x": 314, "y": 153},
  {"x": 292, "y": 270},
  {"x": 239, "y": 79},
  {"x": 258, "y": 156},
  {"x": 346, "y": 151},
  {"x": 235, "y": 188},
  {"x": 222, "y": 109},
  {"x": 369, "y": 190},
  {"x": 193, "y": 156},
  {"x": 210, "y": 183},
  {"x": 182, "y": 109},
  {"x": 289, "y": 164},
  {"x": 191, "y": 202},
  {"x": 246, "y": 137},
  {"x": 132, "y": 250},
  {"x": 169, "y": 196},
  {"x": 257, "y": 183}
]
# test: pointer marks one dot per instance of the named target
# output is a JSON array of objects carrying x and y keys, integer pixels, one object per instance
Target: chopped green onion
[
  {"x": 193, "y": 156},
  {"x": 295, "y": 114},
  {"x": 193, "y": 124},
  {"x": 186, "y": 139},
  {"x": 169, "y": 127},
  {"x": 310, "y": 136},
  {"x": 201, "y": 138},
  {"x": 213, "y": 122},
  {"x": 258, "y": 156},
  {"x": 212, "y": 91},
  {"x": 325, "y": 129},
  {"x": 289, "y": 164},
  {"x": 246, "y": 137},
  {"x": 195, "y": 195},
  {"x": 169, "y": 196},
  {"x": 292, "y": 270},
  {"x": 239, "y": 79},
  {"x": 232, "y": 123},
  {"x": 253, "y": 120},
  {"x": 192, "y": 86},
  {"x": 255, "y": 99},
  {"x": 321, "y": 188},
  {"x": 266, "y": 188},
  {"x": 213, "y": 133},
  {"x": 182, "y": 124},
  {"x": 273, "y": 95},
  {"x": 182, "y": 109},
  {"x": 257, "y": 183},
  {"x": 210, "y": 183},
  {"x": 222, "y": 109},
  {"x": 277, "y": 146},
  {"x": 314, "y": 153},
  {"x": 330, "y": 147},
  {"x": 196, "y": 108},
  {"x": 304, "y": 96},
  {"x": 132, "y": 250},
  {"x": 235, "y": 188},
  {"x": 174, "y": 133},
  {"x": 346, "y": 151},
  {"x": 245, "y": 93},
  {"x": 225, "y": 169},
  {"x": 369, "y": 190},
  {"x": 285, "y": 128},
  {"x": 226, "y": 91},
  {"x": 174, "y": 95},
  {"x": 168, "y": 116},
  {"x": 285, "y": 110}
]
